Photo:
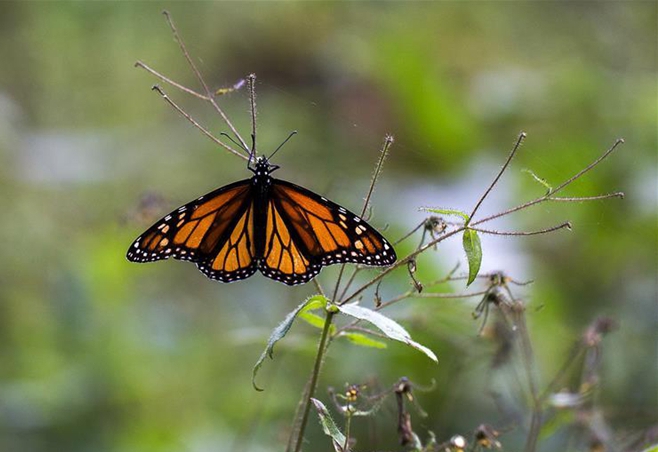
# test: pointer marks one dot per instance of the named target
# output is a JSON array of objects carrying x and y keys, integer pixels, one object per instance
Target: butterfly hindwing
[
  {"x": 284, "y": 257},
  {"x": 214, "y": 231}
]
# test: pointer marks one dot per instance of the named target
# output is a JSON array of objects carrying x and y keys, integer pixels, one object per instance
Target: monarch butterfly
[{"x": 286, "y": 231}]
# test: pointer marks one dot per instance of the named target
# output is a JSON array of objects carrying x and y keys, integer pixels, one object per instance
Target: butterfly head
[{"x": 263, "y": 167}]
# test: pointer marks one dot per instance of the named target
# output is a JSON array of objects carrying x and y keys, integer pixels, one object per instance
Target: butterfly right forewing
[{"x": 331, "y": 233}]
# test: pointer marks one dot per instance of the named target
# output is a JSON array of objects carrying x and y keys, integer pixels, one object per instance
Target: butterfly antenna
[
  {"x": 293, "y": 133},
  {"x": 251, "y": 78},
  {"x": 237, "y": 143}
]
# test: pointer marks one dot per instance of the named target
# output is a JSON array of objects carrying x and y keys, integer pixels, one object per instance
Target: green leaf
[
  {"x": 454, "y": 212},
  {"x": 363, "y": 340},
  {"x": 329, "y": 427},
  {"x": 387, "y": 326},
  {"x": 473, "y": 250},
  {"x": 314, "y": 302},
  {"x": 314, "y": 319},
  {"x": 653, "y": 448}
]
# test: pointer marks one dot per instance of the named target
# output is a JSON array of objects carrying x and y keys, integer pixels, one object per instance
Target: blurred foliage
[{"x": 100, "y": 354}]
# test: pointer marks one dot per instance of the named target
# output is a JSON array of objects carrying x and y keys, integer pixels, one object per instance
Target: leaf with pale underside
[{"x": 389, "y": 327}]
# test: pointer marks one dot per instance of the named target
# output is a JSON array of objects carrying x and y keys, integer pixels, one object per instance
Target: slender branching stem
[
  {"x": 565, "y": 225},
  {"x": 519, "y": 140},
  {"x": 314, "y": 379},
  {"x": 388, "y": 141},
  {"x": 589, "y": 167},
  {"x": 402, "y": 262},
  {"x": 348, "y": 423},
  {"x": 549, "y": 196},
  {"x": 294, "y": 430},
  {"x": 349, "y": 283},
  {"x": 143, "y": 65},
  {"x": 588, "y": 198},
  {"x": 199, "y": 77},
  {"x": 251, "y": 80},
  {"x": 196, "y": 124},
  {"x": 409, "y": 234},
  {"x": 576, "y": 352},
  {"x": 318, "y": 287},
  {"x": 529, "y": 366}
]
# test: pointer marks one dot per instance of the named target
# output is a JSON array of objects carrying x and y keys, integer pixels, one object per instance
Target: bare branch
[
  {"x": 388, "y": 141},
  {"x": 196, "y": 124},
  {"x": 209, "y": 93},
  {"x": 588, "y": 198},
  {"x": 590, "y": 166},
  {"x": 519, "y": 140},
  {"x": 142, "y": 65},
  {"x": 565, "y": 225}
]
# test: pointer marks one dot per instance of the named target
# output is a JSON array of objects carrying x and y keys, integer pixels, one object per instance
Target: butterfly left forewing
[{"x": 213, "y": 231}]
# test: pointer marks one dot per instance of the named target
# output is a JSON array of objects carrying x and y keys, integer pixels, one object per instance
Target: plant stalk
[{"x": 314, "y": 379}]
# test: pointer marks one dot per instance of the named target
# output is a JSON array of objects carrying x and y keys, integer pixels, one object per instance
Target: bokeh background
[{"x": 101, "y": 354}]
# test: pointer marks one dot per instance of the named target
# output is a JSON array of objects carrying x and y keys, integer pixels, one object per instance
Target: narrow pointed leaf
[
  {"x": 454, "y": 212},
  {"x": 363, "y": 340},
  {"x": 473, "y": 249},
  {"x": 329, "y": 427},
  {"x": 387, "y": 326},
  {"x": 314, "y": 302},
  {"x": 538, "y": 179}
]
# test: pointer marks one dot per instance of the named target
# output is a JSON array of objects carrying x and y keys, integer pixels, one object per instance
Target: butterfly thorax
[{"x": 261, "y": 183}]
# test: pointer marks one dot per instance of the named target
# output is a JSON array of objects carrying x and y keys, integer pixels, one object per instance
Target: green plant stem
[
  {"x": 348, "y": 423},
  {"x": 314, "y": 379}
]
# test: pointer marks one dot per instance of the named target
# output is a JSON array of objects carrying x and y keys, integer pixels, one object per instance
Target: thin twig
[
  {"x": 388, "y": 141},
  {"x": 143, "y": 65},
  {"x": 576, "y": 352},
  {"x": 209, "y": 93},
  {"x": 519, "y": 140},
  {"x": 410, "y": 233},
  {"x": 349, "y": 282},
  {"x": 589, "y": 167},
  {"x": 548, "y": 196},
  {"x": 530, "y": 369},
  {"x": 251, "y": 79},
  {"x": 195, "y": 123},
  {"x": 564, "y": 225},
  {"x": 186, "y": 54},
  {"x": 402, "y": 262},
  {"x": 589, "y": 198},
  {"x": 318, "y": 287}
]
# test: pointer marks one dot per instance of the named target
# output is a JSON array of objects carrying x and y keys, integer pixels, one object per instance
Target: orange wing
[
  {"x": 214, "y": 231},
  {"x": 305, "y": 232}
]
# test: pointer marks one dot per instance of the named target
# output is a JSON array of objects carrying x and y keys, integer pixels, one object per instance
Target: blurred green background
[{"x": 101, "y": 354}]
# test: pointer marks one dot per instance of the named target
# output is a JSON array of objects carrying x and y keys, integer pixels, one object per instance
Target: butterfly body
[{"x": 283, "y": 230}]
